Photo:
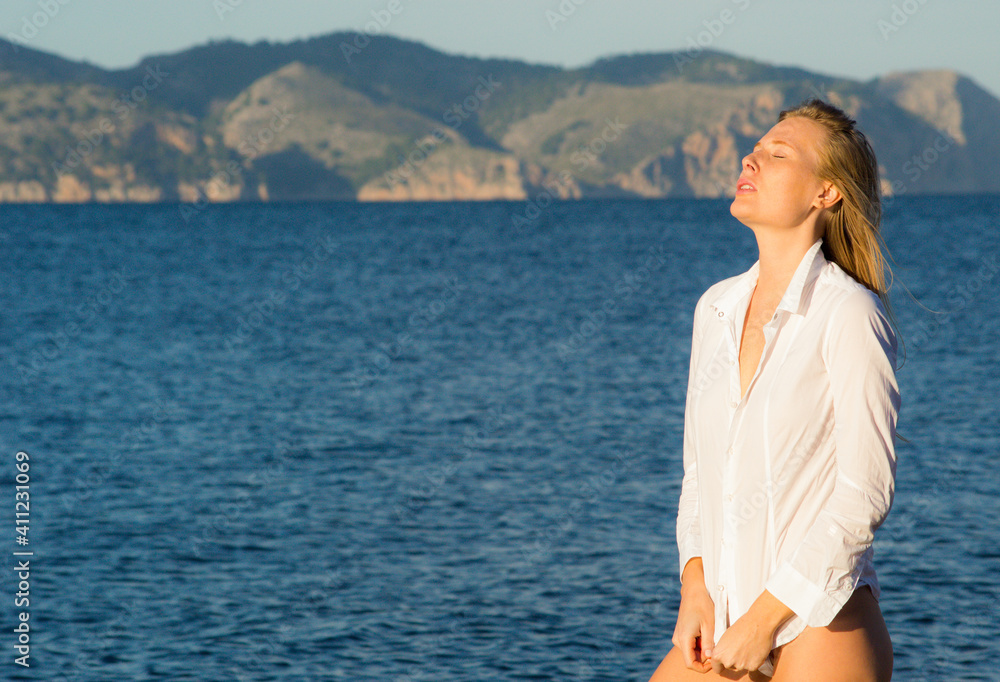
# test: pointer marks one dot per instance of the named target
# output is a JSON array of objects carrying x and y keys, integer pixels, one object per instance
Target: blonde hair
[{"x": 851, "y": 236}]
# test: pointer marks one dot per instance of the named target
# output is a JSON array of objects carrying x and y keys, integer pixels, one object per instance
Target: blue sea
[{"x": 438, "y": 442}]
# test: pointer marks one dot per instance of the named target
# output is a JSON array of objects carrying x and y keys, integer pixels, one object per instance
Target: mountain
[{"x": 348, "y": 116}]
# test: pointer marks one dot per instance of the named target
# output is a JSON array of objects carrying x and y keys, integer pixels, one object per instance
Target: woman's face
[{"x": 779, "y": 187}]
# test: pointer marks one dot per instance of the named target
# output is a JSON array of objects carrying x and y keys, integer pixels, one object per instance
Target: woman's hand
[
  {"x": 744, "y": 646},
  {"x": 694, "y": 633},
  {"x": 747, "y": 642}
]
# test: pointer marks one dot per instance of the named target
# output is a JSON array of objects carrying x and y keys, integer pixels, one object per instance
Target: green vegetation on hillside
[{"x": 235, "y": 119}]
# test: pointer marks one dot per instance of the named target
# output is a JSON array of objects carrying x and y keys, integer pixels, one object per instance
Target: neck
[{"x": 780, "y": 255}]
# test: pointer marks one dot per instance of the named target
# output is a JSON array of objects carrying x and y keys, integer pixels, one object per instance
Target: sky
[{"x": 858, "y": 39}]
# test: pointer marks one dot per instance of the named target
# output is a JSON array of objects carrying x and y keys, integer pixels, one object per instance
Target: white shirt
[{"x": 784, "y": 488}]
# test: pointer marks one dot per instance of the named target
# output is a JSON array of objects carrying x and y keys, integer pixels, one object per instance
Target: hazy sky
[{"x": 855, "y": 38}]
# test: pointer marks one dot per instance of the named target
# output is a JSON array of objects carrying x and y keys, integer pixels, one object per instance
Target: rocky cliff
[{"x": 399, "y": 121}]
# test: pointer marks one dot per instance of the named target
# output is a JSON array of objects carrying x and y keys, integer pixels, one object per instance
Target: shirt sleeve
[
  {"x": 688, "y": 509},
  {"x": 859, "y": 350}
]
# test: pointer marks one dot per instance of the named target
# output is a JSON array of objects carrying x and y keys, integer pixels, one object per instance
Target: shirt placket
[
  {"x": 726, "y": 566},
  {"x": 730, "y": 527}
]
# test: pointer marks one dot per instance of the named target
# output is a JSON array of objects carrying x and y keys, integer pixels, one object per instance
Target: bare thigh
[
  {"x": 855, "y": 647},
  {"x": 672, "y": 669}
]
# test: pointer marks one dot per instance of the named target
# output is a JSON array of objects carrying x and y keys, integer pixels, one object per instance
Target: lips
[{"x": 744, "y": 186}]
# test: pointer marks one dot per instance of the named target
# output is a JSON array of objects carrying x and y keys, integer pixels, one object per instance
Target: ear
[{"x": 829, "y": 196}]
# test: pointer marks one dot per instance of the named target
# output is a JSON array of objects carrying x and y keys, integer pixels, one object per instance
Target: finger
[
  {"x": 707, "y": 639},
  {"x": 689, "y": 650},
  {"x": 717, "y": 666}
]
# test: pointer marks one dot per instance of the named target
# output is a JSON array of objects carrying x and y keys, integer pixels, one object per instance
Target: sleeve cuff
[
  {"x": 686, "y": 553},
  {"x": 814, "y": 605}
]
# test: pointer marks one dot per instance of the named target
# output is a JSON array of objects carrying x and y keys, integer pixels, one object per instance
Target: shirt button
[
  {"x": 734, "y": 404},
  {"x": 721, "y": 588},
  {"x": 729, "y": 498},
  {"x": 721, "y": 314}
]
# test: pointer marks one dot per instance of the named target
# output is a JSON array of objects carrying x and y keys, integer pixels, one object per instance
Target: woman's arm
[
  {"x": 860, "y": 353},
  {"x": 694, "y": 631},
  {"x": 822, "y": 573},
  {"x": 688, "y": 522},
  {"x": 747, "y": 642}
]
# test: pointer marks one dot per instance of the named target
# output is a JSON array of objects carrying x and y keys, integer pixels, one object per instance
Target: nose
[{"x": 750, "y": 162}]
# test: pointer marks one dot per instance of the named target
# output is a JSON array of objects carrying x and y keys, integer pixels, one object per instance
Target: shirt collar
[{"x": 793, "y": 299}]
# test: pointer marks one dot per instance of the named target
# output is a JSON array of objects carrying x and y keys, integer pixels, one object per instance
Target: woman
[{"x": 790, "y": 418}]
